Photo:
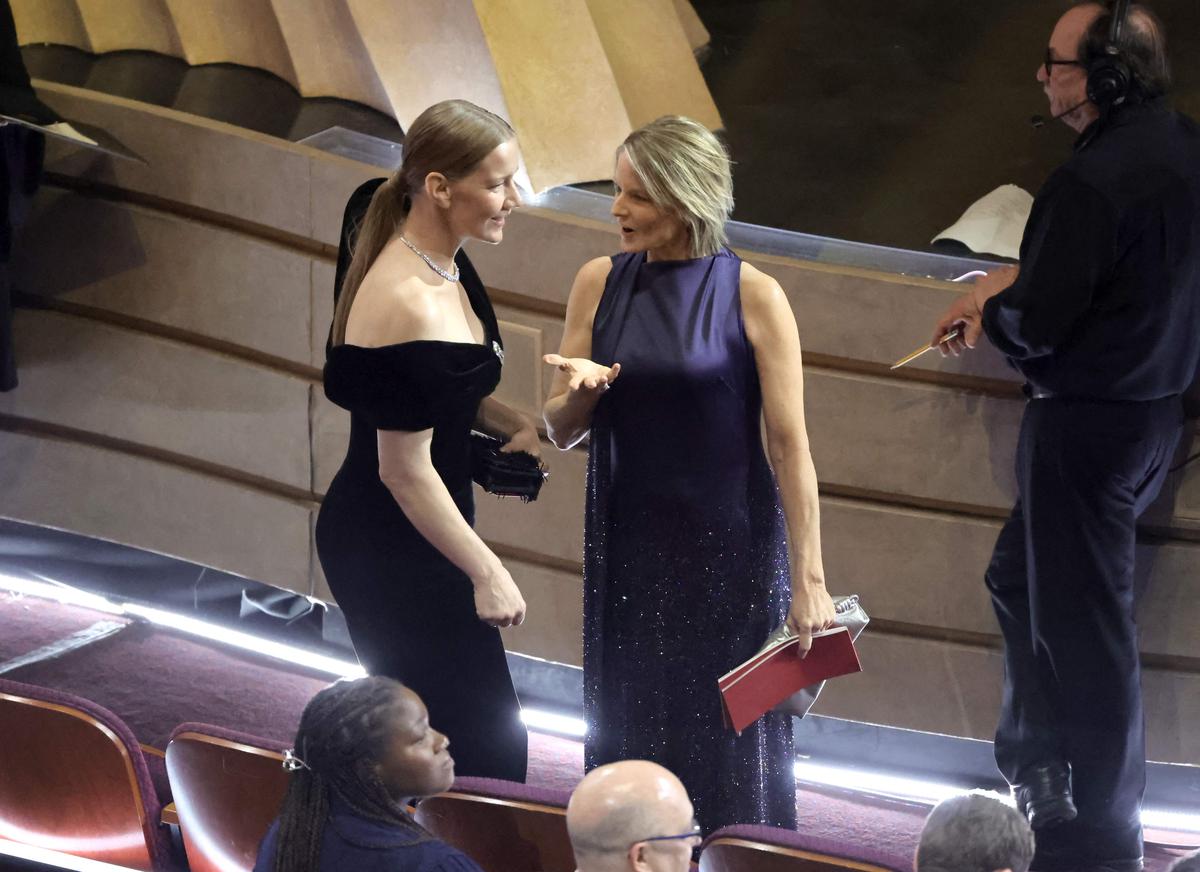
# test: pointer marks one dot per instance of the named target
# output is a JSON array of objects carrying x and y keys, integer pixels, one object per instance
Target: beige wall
[{"x": 170, "y": 400}]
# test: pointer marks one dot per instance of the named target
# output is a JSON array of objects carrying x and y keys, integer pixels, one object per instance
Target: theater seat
[
  {"x": 502, "y": 825},
  {"x": 768, "y": 849},
  {"x": 75, "y": 781},
  {"x": 228, "y": 787}
]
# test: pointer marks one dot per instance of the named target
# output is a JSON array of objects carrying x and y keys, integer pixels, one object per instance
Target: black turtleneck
[{"x": 1107, "y": 304}]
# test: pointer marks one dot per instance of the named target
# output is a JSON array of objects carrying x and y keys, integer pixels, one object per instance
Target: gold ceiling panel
[{"x": 572, "y": 76}]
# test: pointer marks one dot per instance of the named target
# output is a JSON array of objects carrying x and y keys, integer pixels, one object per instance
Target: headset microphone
[{"x": 1039, "y": 121}]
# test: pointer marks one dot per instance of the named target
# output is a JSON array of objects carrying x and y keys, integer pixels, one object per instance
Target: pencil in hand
[{"x": 909, "y": 358}]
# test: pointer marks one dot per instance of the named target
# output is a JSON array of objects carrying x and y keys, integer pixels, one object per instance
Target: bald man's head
[{"x": 618, "y": 805}]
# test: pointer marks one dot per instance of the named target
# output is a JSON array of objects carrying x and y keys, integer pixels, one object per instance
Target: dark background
[{"x": 882, "y": 121}]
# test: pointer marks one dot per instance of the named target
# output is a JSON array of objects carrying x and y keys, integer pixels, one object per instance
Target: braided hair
[{"x": 342, "y": 735}]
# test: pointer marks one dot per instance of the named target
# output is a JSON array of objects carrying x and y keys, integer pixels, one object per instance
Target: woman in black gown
[{"x": 413, "y": 354}]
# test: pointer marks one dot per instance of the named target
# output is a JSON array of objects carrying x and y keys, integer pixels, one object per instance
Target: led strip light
[
  {"x": 878, "y": 783},
  {"x": 55, "y": 859}
]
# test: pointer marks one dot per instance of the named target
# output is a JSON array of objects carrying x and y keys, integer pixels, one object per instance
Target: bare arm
[
  {"x": 771, "y": 329},
  {"x": 407, "y": 471},
  {"x": 578, "y": 382}
]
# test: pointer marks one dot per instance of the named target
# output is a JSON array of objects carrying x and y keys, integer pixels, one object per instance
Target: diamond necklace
[{"x": 446, "y": 274}]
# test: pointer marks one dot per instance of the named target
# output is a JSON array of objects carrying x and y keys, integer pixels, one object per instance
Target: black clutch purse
[{"x": 505, "y": 474}]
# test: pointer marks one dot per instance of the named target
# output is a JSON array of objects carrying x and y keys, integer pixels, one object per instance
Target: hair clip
[{"x": 291, "y": 762}]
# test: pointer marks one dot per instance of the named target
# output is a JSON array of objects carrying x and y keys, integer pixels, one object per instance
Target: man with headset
[{"x": 1102, "y": 318}]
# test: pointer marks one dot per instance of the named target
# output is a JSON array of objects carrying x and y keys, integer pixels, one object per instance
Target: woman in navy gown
[
  {"x": 673, "y": 351},
  {"x": 413, "y": 354}
]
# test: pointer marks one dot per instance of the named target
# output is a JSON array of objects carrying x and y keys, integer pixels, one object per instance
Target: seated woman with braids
[{"x": 363, "y": 751}]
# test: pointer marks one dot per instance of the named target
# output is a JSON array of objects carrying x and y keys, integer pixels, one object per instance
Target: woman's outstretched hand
[{"x": 585, "y": 376}]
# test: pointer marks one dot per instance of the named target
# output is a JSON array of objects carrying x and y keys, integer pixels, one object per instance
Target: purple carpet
[
  {"x": 29, "y": 623},
  {"x": 155, "y": 679}
]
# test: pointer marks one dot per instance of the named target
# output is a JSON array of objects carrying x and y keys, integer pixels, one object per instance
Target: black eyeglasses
[
  {"x": 693, "y": 833},
  {"x": 1050, "y": 62}
]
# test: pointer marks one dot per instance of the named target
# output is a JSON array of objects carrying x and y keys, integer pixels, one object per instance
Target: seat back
[
  {"x": 227, "y": 788},
  {"x": 768, "y": 849},
  {"x": 75, "y": 781},
  {"x": 502, "y": 825}
]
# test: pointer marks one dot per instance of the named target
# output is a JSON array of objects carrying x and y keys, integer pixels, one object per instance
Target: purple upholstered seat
[
  {"x": 512, "y": 791},
  {"x": 76, "y": 780},
  {"x": 771, "y": 848},
  {"x": 228, "y": 787},
  {"x": 238, "y": 738},
  {"x": 502, "y": 824}
]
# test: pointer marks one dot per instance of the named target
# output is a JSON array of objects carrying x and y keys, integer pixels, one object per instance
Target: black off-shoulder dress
[{"x": 411, "y": 612}]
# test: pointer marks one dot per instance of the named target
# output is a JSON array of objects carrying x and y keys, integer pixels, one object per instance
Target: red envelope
[{"x": 778, "y": 671}]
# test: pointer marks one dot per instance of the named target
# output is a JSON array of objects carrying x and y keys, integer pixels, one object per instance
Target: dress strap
[{"x": 481, "y": 304}]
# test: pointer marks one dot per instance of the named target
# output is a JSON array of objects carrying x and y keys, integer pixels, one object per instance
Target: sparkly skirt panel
[{"x": 671, "y": 603}]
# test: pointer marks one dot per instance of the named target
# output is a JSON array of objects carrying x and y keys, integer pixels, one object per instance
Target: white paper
[{"x": 994, "y": 223}]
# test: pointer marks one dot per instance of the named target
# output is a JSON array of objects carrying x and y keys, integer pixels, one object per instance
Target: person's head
[
  {"x": 1186, "y": 863},
  {"x": 368, "y": 742},
  {"x": 974, "y": 832},
  {"x": 1143, "y": 45},
  {"x": 674, "y": 189},
  {"x": 1079, "y": 39},
  {"x": 459, "y": 169},
  {"x": 631, "y": 815}
]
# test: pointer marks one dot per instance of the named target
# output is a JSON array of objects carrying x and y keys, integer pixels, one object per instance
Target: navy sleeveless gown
[{"x": 685, "y": 565}]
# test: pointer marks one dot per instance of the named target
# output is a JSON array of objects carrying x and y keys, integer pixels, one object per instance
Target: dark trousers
[{"x": 1061, "y": 579}]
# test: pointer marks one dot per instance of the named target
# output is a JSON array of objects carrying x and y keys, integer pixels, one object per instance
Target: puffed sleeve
[
  {"x": 413, "y": 386},
  {"x": 386, "y": 395}
]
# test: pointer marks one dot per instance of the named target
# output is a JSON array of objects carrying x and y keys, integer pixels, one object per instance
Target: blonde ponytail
[
  {"x": 450, "y": 138},
  {"x": 384, "y": 217}
]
